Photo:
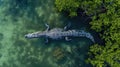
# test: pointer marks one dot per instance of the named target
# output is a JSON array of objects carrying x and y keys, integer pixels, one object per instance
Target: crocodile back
[{"x": 55, "y": 33}]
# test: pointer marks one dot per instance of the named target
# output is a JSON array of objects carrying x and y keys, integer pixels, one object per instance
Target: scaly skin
[{"x": 58, "y": 33}]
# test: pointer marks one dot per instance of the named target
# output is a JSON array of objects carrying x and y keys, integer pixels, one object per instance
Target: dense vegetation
[
  {"x": 67, "y": 5},
  {"x": 105, "y": 15}
]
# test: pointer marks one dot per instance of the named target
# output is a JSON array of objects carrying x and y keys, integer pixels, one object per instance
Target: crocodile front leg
[
  {"x": 48, "y": 27},
  {"x": 67, "y": 26}
]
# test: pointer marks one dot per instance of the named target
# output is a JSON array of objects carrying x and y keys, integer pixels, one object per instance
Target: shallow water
[{"x": 19, "y": 17}]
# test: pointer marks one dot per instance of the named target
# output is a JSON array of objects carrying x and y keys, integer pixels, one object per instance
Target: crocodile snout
[{"x": 26, "y": 36}]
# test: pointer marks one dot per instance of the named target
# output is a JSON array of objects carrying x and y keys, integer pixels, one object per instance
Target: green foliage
[
  {"x": 105, "y": 56},
  {"x": 107, "y": 23},
  {"x": 72, "y": 5},
  {"x": 67, "y": 5}
]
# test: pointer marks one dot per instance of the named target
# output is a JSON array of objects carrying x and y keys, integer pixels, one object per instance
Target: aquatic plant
[{"x": 58, "y": 54}]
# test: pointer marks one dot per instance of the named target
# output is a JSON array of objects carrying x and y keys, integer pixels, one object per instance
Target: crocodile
[{"x": 59, "y": 33}]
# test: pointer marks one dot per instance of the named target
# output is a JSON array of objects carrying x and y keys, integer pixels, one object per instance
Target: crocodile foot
[
  {"x": 48, "y": 27},
  {"x": 67, "y": 39}
]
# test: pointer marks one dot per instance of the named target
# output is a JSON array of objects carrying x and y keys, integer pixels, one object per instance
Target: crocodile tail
[
  {"x": 86, "y": 34},
  {"x": 79, "y": 33}
]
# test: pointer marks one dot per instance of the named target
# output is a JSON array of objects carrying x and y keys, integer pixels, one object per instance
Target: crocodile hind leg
[
  {"x": 67, "y": 39},
  {"x": 46, "y": 40},
  {"x": 67, "y": 26},
  {"x": 48, "y": 27}
]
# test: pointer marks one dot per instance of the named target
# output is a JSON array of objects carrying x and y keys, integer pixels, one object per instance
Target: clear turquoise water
[{"x": 18, "y": 17}]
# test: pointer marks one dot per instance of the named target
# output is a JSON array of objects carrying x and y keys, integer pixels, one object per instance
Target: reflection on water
[{"x": 19, "y": 17}]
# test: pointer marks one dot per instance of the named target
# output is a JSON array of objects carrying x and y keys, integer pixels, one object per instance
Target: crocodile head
[{"x": 35, "y": 35}]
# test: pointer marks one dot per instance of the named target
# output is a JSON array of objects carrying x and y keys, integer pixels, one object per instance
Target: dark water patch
[
  {"x": 1, "y": 36},
  {"x": 77, "y": 22}
]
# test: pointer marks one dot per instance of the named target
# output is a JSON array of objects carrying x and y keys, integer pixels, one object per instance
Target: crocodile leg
[
  {"x": 46, "y": 40},
  {"x": 67, "y": 39},
  {"x": 48, "y": 27},
  {"x": 67, "y": 26}
]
